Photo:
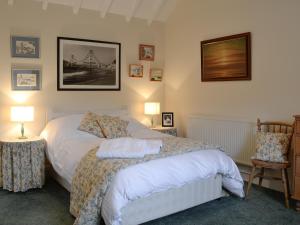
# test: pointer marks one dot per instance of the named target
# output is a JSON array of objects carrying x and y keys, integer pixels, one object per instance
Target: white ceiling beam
[
  {"x": 45, "y": 4},
  {"x": 77, "y": 6},
  {"x": 156, "y": 8},
  {"x": 105, "y": 7},
  {"x": 132, "y": 10},
  {"x": 10, "y": 2}
]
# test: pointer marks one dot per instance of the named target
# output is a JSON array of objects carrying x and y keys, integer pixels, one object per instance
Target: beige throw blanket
[{"x": 93, "y": 177}]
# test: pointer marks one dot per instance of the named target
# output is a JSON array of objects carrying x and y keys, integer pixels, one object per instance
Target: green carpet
[{"x": 50, "y": 205}]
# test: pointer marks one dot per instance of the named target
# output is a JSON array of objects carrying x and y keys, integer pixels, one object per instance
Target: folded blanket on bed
[{"x": 127, "y": 147}]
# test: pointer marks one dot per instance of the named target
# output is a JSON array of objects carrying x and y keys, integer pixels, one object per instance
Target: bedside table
[
  {"x": 166, "y": 130},
  {"x": 22, "y": 163}
]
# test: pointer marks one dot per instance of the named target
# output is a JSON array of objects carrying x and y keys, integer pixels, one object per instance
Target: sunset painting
[{"x": 226, "y": 58}]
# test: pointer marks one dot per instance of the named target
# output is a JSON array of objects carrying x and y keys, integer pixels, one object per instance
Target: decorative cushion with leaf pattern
[
  {"x": 89, "y": 124},
  {"x": 272, "y": 147},
  {"x": 113, "y": 127}
]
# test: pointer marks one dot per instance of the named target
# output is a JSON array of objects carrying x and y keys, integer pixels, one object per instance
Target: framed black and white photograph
[
  {"x": 87, "y": 65},
  {"x": 167, "y": 119},
  {"x": 26, "y": 79},
  {"x": 25, "y": 47}
]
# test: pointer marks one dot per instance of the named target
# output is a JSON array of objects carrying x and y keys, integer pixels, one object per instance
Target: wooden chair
[{"x": 273, "y": 127}]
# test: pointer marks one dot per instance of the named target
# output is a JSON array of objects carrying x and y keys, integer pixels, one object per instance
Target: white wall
[
  {"x": 27, "y": 18},
  {"x": 274, "y": 89}
]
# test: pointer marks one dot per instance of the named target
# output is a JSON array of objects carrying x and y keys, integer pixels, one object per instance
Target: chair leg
[
  {"x": 285, "y": 187},
  {"x": 250, "y": 181},
  {"x": 262, "y": 172},
  {"x": 287, "y": 181}
]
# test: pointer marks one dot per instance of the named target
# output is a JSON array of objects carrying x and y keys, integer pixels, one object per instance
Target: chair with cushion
[{"x": 273, "y": 142}]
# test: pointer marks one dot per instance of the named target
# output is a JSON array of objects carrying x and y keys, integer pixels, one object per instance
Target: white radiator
[{"x": 235, "y": 136}]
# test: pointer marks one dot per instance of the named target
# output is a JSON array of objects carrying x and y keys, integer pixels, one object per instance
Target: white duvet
[{"x": 67, "y": 145}]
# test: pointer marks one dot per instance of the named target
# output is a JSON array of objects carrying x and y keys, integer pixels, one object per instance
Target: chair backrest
[{"x": 275, "y": 127}]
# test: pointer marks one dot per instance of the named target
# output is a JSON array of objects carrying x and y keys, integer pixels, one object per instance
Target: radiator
[{"x": 237, "y": 137}]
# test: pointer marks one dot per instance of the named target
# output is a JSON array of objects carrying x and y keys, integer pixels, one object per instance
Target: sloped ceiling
[{"x": 149, "y": 10}]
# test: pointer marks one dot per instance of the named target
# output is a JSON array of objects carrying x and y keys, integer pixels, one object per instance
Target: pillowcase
[
  {"x": 89, "y": 124},
  {"x": 272, "y": 147},
  {"x": 113, "y": 127}
]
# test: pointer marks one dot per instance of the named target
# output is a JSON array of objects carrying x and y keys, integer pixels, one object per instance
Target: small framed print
[
  {"x": 135, "y": 70},
  {"x": 167, "y": 119},
  {"x": 146, "y": 52},
  {"x": 26, "y": 79},
  {"x": 156, "y": 74},
  {"x": 25, "y": 47}
]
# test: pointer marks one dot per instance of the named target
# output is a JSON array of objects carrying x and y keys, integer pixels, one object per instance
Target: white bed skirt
[
  {"x": 173, "y": 200},
  {"x": 167, "y": 202}
]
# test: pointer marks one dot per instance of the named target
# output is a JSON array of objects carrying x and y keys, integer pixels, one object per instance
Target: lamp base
[{"x": 22, "y": 137}]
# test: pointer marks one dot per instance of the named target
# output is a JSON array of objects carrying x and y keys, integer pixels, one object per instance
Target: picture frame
[
  {"x": 167, "y": 119},
  {"x": 88, "y": 65},
  {"x": 146, "y": 52},
  {"x": 25, "y": 47},
  {"x": 23, "y": 79},
  {"x": 135, "y": 70},
  {"x": 156, "y": 74},
  {"x": 226, "y": 58}
]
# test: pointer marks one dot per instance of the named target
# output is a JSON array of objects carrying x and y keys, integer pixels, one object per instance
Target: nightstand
[
  {"x": 22, "y": 163},
  {"x": 166, "y": 130}
]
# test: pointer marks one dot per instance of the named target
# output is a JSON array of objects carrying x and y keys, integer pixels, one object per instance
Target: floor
[{"x": 49, "y": 206}]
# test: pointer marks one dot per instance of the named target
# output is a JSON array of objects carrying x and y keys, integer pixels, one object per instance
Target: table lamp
[
  {"x": 152, "y": 108},
  {"x": 21, "y": 114}
]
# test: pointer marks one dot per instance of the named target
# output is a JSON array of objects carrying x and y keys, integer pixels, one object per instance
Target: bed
[{"x": 145, "y": 191}]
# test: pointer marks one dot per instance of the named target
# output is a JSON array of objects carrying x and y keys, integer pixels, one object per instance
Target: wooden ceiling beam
[
  {"x": 77, "y": 6},
  {"x": 133, "y": 8},
  {"x": 105, "y": 7},
  {"x": 156, "y": 8},
  {"x": 45, "y": 4},
  {"x": 10, "y": 2}
]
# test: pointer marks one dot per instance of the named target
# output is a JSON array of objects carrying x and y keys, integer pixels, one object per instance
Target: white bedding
[
  {"x": 128, "y": 147},
  {"x": 67, "y": 145}
]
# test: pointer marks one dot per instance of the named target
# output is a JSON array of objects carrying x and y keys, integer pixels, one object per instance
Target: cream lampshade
[
  {"x": 22, "y": 114},
  {"x": 152, "y": 108}
]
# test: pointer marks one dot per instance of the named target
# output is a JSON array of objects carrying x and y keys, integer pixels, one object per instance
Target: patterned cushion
[
  {"x": 272, "y": 147},
  {"x": 89, "y": 124},
  {"x": 113, "y": 127}
]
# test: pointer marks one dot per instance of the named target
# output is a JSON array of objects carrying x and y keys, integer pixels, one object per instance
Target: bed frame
[{"x": 163, "y": 203}]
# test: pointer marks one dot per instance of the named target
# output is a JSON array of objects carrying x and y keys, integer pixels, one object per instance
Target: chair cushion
[
  {"x": 89, "y": 124},
  {"x": 113, "y": 127},
  {"x": 272, "y": 147}
]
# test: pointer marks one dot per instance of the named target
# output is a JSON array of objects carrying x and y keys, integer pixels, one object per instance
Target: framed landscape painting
[
  {"x": 25, "y": 47},
  {"x": 88, "y": 65},
  {"x": 226, "y": 58},
  {"x": 26, "y": 79}
]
